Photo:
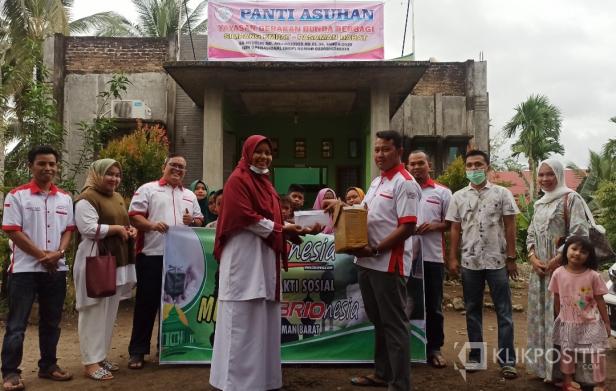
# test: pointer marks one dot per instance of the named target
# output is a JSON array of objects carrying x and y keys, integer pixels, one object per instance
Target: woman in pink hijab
[{"x": 325, "y": 194}]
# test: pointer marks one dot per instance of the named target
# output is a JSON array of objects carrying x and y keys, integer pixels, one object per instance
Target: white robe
[
  {"x": 96, "y": 316},
  {"x": 246, "y": 352}
]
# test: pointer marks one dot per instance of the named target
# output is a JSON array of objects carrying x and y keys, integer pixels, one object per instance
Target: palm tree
[
  {"x": 158, "y": 18},
  {"x": 537, "y": 125}
]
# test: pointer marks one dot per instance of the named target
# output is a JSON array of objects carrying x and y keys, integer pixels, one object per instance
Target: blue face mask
[{"x": 476, "y": 177}]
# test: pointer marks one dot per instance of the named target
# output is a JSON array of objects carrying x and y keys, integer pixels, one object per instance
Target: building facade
[{"x": 321, "y": 116}]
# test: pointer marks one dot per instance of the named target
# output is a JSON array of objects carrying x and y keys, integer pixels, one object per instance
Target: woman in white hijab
[{"x": 552, "y": 223}]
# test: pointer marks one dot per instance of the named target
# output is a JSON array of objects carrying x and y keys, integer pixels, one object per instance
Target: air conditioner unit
[{"x": 132, "y": 108}]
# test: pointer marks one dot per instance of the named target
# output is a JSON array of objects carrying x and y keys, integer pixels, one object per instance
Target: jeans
[
  {"x": 22, "y": 290},
  {"x": 473, "y": 285},
  {"x": 433, "y": 288}
]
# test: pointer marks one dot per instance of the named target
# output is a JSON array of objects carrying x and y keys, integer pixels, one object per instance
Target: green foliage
[
  {"x": 454, "y": 177},
  {"x": 141, "y": 155},
  {"x": 523, "y": 220},
  {"x": 38, "y": 125},
  {"x": 606, "y": 199},
  {"x": 537, "y": 125}
]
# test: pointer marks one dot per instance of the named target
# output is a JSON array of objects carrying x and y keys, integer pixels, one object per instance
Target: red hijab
[{"x": 248, "y": 198}]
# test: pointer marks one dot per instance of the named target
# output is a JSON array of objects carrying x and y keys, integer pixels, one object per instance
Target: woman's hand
[
  {"x": 292, "y": 232},
  {"x": 315, "y": 229},
  {"x": 132, "y": 231},
  {"x": 118, "y": 230},
  {"x": 538, "y": 266}
]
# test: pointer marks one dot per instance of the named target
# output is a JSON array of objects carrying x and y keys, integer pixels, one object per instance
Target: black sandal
[{"x": 136, "y": 361}]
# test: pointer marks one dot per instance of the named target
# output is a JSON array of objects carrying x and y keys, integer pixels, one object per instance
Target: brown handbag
[{"x": 100, "y": 271}]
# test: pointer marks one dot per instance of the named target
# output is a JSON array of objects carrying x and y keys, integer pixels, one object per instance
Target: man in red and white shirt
[
  {"x": 38, "y": 218},
  {"x": 431, "y": 226},
  {"x": 385, "y": 264},
  {"x": 154, "y": 208}
]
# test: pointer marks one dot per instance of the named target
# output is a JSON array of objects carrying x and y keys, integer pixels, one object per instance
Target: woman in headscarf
[
  {"x": 100, "y": 210},
  {"x": 201, "y": 191},
  {"x": 354, "y": 196},
  {"x": 323, "y": 195},
  {"x": 559, "y": 214},
  {"x": 251, "y": 248}
]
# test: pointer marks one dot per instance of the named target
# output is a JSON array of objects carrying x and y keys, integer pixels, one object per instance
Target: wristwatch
[
  {"x": 511, "y": 258},
  {"x": 375, "y": 252}
]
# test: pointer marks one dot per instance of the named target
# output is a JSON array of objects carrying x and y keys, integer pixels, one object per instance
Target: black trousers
[
  {"x": 147, "y": 302},
  {"x": 433, "y": 287},
  {"x": 22, "y": 290}
]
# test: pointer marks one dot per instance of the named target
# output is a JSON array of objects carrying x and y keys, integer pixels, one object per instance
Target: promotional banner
[
  {"x": 322, "y": 313},
  {"x": 295, "y": 31}
]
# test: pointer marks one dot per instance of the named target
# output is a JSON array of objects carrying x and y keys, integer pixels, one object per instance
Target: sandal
[
  {"x": 598, "y": 388},
  {"x": 55, "y": 373},
  {"x": 13, "y": 382},
  {"x": 436, "y": 360},
  {"x": 101, "y": 374},
  {"x": 509, "y": 372},
  {"x": 110, "y": 366},
  {"x": 136, "y": 361},
  {"x": 572, "y": 386},
  {"x": 368, "y": 381}
]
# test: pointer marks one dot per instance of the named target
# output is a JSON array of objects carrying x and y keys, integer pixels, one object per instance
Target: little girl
[{"x": 582, "y": 324}]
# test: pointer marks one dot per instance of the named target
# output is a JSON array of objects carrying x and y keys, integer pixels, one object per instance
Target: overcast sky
[{"x": 564, "y": 49}]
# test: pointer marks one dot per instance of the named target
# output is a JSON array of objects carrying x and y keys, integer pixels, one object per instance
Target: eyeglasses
[{"x": 177, "y": 166}]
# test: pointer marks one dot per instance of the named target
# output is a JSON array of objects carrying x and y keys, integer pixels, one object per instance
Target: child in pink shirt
[{"x": 582, "y": 323}]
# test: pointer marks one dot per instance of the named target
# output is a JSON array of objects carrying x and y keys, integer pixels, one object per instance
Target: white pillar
[
  {"x": 379, "y": 120},
  {"x": 212, "y": 137}
]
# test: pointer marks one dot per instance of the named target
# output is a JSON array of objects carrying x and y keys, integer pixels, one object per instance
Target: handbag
[
  {"x": 596, "y": 234},
  {"x": 100, "y": 271}
]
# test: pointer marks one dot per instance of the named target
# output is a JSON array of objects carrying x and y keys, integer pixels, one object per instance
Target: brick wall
[
  {"x": 112, "y": 55},
  {"x": 444, "y": 78}
]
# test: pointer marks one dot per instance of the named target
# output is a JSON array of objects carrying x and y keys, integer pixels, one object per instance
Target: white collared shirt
[
  {"x": 433, "y": 207},
  {"x": 159, "y": 201},
  {"x": 392, "y": 199},
  {"x": 43, "y": 217}
]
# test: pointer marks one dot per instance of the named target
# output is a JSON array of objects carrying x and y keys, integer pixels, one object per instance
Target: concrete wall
[
  {"x": 449, "y": 102},
  {"x": 187, "y": 139},
  {"x": 88, "y": 63}
]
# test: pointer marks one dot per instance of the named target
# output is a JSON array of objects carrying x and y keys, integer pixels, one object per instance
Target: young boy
[
  {"x": 296, "y": 194},
  {"x": 287, "y": 209}
]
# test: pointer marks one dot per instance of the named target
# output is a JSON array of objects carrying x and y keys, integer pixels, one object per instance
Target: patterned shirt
[{"x": 480, "y": 213}]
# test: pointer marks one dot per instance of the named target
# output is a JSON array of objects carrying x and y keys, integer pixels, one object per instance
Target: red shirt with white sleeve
[{"x": 43, "y": 217}]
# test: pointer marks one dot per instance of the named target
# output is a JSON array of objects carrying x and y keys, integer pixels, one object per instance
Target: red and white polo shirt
[
  {"x": 43, "y": 216},
  {"x": 392, "y": 199},
  {"x": 159, "y": 201},
  {"x": 433, "y": 209}
]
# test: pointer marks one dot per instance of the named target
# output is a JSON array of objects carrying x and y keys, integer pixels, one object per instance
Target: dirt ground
[{"x": 296, "y": 378}]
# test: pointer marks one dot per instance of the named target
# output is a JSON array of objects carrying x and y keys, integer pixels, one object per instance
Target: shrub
[
  {"x": 454, "y": 177},
  {"x": 141, "y": 154}
]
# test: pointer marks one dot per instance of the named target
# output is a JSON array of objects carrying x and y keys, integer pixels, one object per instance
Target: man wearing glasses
[{"x": 154, "y": 208}]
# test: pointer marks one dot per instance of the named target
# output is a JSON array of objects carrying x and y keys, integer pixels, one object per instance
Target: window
[
  {"x": 327, "y": 148},
  {"x": 300, "y": 148}
]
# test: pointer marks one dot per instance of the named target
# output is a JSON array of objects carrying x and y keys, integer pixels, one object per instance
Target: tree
[
  {"x": 454, "y": 177},
  {"x": 537, "y": 125},
  {"x": 141, "y": 154},
  {"x": 158, "y": 18}
]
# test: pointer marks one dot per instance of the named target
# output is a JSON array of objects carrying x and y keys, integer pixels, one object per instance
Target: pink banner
[{"x": 295, "y": 31}]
